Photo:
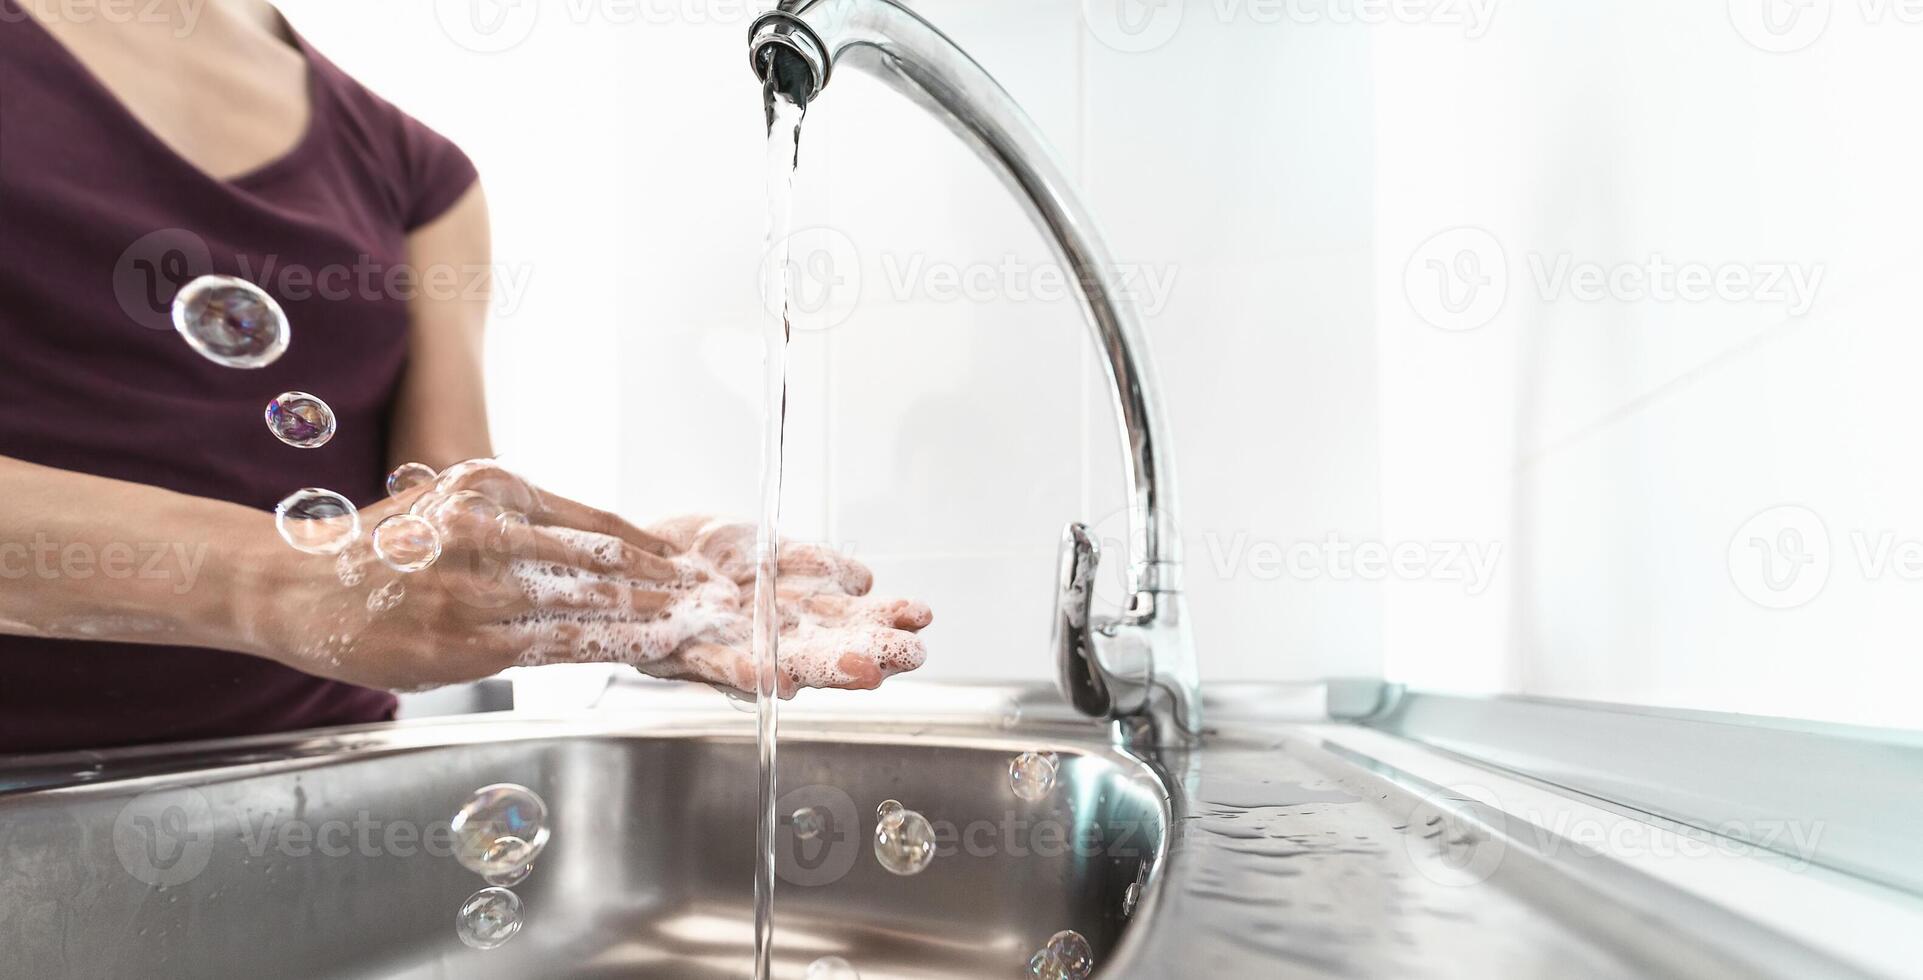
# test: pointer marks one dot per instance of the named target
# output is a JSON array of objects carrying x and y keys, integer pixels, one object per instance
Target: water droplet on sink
[
  {"x": 831, "y": 968},
  {"x": 489, "y": 918},
  {"x": 1032, "y": 775},
  {"x": 904, "y": 842}
]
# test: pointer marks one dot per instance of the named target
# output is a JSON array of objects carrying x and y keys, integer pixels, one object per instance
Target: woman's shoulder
[{"x": 426, "y": 171}]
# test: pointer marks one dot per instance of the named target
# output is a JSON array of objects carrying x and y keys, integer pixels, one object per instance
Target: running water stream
[{"x": 785, "y": 101}]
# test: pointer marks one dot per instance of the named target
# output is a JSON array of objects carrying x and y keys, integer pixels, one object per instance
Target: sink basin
[
  {"x": 1277, "y": 849},
  {"x": 328, "y": 857}
]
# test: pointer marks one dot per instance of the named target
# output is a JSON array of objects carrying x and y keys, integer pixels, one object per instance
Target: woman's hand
[
  {"x": 352, "y": 618},
  {"x": 528, "y": 578},
  {"x": 833, "y": 634}
]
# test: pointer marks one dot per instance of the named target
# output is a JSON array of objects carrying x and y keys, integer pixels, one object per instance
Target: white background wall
[{"x": 1288, "y": 169}]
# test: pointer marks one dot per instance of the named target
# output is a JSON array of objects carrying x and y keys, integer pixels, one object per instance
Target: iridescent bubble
[
  {"x": 386, "y": 597},
  {"x": 1067, "y": 956},
  {"x": 489, "y": 918},
  {"x": 888, "y": 809},
  {"x": 904, "y": 842},
  {"x": 808, "y": 823},
  {"x": 300, "y": 420},
  {"x": 831, "y": 968},
  {"x": 503, "y": 827},
  {"x": 319, "y": 522},
  {"x": 407, "y": 476},
  {"x": 1031, "y": 775},
  {"x": 508, "y": 879},
  {"x": 406, "y": 543},
  {"x": 231, "y": 322}
]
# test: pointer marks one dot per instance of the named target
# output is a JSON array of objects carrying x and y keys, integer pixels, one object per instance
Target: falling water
[{"x": 784, "y": 97}]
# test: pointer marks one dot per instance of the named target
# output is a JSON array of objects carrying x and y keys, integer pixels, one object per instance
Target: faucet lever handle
[{"x": 1078, "y": 672}]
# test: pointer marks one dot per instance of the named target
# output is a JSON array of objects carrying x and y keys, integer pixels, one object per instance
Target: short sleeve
[{"x": 437, "y": 173}]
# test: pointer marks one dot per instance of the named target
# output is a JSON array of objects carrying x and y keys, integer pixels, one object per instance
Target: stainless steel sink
[
  {"x": 1276, "y": 848},
  {"x": 327, "y": 857}
]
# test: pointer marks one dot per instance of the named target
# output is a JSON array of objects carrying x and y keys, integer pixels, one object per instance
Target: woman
[{"x": 144, "y": 593}]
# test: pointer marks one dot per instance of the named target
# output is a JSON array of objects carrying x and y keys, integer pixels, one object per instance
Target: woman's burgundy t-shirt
[{"x": 100, "y": 224}]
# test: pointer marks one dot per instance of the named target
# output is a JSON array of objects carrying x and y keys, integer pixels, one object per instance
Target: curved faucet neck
[{"x": 1140, "y": 663}]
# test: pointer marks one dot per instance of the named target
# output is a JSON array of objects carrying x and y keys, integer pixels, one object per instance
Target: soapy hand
[
  {"x": 833, "y": 634},
  {"x": 529, "y": 578}
]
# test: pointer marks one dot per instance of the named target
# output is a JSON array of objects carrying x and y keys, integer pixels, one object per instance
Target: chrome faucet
[{"x": 1138, "y": 666}]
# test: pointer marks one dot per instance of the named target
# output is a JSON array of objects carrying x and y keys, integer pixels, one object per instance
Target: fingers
[
  {"x": 594, "y": 553},
  {"x": 563, "y": 512},
  {"x": 835, "y": 610},
  {"x": 812, "y": 563}
]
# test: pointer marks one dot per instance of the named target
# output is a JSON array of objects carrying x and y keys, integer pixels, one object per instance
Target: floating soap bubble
[
  {"x": 319, "y": 522},
  {"x": 407, "y": 476},
  {"x": 508, "y": 879},
  {"x": 888, "y": 810},
  {"x": 468, "y": 512},
  {"x": 1067, "y": 956},
  {"x": 300, "y": 420},
  {"x": 492, "y": 479},
  {"x": 406, "y": 543},
  {"x": 1032, "y": 775},
  {"x": 386, "y": 597},
  {"x": 231, "y": 322},
  {"x": 808, "y": 823},
  {"x": 489, "y": 918},
  {"x": 502, "y": 827},
  {"x": 904, "y": 843},
  {"x": 831, "y": 968}
]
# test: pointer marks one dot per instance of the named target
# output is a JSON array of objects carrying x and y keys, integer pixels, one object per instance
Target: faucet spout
[{"x": 1136, "y": 666}]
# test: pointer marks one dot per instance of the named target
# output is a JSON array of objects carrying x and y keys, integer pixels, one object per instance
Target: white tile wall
[{"x": 1619, "y": 447}]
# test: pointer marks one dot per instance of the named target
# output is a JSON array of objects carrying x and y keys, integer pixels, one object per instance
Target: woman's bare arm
[
  {"x": 88, "y": 557},
  {"x": 440, "y": 417}
]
